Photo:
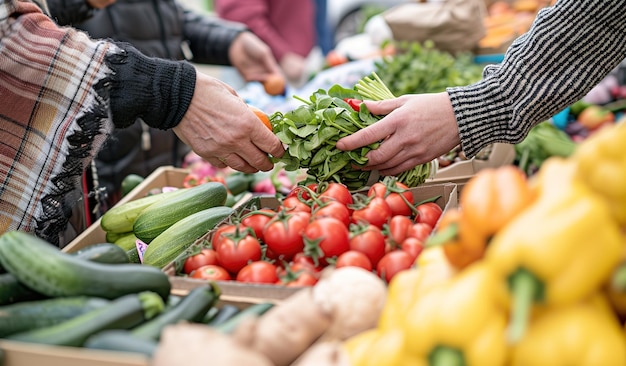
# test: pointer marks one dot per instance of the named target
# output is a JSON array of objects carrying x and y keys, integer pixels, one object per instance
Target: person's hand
[
  {"x": 293, "y": 66},
  {"x": 99, "y": 4},
  {"x": 416, "y": 129},
  {"x": 252, "y": 57},
  {"x": 223, "y": 130}
]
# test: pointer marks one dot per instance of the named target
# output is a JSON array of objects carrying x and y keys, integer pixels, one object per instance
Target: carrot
[
  {"x": 274, "y": 84},
  {"x": 262, "y": 116}
]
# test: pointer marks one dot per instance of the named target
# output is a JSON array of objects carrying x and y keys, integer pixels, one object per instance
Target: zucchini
[
  {"x": 44, "y": 268},
  {"x": 191, "y": 309},
  {"x": 120, "y": 219},
  {"x": 133, "y": 255},
  {"x": 226, "y": 312},
  {"x": 12, "y": 290},
  {"x": 112, "y": 237},
  {"x": 103, "y": 253},
  {"x": 122, "y": 313},
  {"x": 178, "y": 237},
  {"x": 238, "y": 182},
  {"x": 30, "y": 315},
  {"x": 127, "y": 242},
  {"x": 122, "y": 341},
  {"x": 156, "y": 218},
  {"x": 230, "y": 324}
]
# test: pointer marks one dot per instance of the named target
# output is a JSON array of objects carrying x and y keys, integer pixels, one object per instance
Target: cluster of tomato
[{"x": 318, "y": 225}]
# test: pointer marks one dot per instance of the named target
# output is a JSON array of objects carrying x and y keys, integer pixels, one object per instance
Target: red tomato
[
  {"x": 211, "y": 272},
  {"x": 375, "y": 212},
  {"x": 398, "y": 228},
  {"x": 420, "y": 231},
  {"x": 335, "y": 191},
  {"x": 428, "y": 213},
  {"x": 256, "y": 220},
  {"x": 283, "y": 234},
  {"x": 413, "y": 246},
  {"x": 326, "y": 237},
  {"x": 353, "y": 258},
  {"x": 397, "y": 195},
  {"x": 303, "y": 279},
  {"x": 392, "y": 263},
  {"x": 234, "y": 252},
  {"x": 298, "y": 274},
  {"x": 303, "y": 191},
  {"x": 302, "y": 261},
  {"x": 293, "y": 203},
  {"x": 206, "y": 256},
  {"x": 258, "y": 272},
  {"x": 370, "y": 241},
  {"x": 218, "y": 234},
  {"x": 333, "y": 209}
]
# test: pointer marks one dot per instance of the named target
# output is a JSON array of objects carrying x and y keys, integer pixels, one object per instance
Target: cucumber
[
  {"x": 178, "y": 237},
  {"x": 191, "y": 309},
  {"x": 103, "y": 253},
  {"x": 12, "y": 290},
  {"x": 226, "y": 312},
  {"x": 120, "y": 219},
  {"x": 133, "y": 255},
  {"x": 127, "y": 242},
  {"x": 253, "y": 310},
  {"x": 44, "y": 268},
  {"x": 158, "y": 217},
  {"x": 30, "y": 315},
  {"x": 122, "y": 313},
  {"x": 238, "y": 182},
  {"x": 122, "y": 341},
  {"x": 112, "y": 237}
]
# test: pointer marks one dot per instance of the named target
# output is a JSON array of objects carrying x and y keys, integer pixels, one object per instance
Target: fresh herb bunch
[
  {"x": 311, "y": 132},
  {"x": 421, "y": 68}
]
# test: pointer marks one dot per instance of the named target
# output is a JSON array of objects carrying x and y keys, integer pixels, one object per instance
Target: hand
[
  {"x": 99, "y": 4},
  {"x": 252, "y": 57},
  {"x": 416, "y": 129},
  {"x": 293, "y": 67},
  {"x": 223, "y": 130}
]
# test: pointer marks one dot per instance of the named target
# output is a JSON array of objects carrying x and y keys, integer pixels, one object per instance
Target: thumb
[{"x": 382, "y": 107}]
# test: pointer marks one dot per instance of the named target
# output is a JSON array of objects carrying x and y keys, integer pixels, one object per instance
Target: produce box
[
  {"x": 166, "y": 176},
  {"x": 447, "y": 198},
  {"x": 460, "y": 172}
]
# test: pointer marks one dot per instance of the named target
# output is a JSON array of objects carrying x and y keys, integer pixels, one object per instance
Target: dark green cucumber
[
  {"x": 158, "y": 217},
  {"x": 253, "y": 310},
  {"x": 12, "y": 290},
  {"x": 191, "y": 309},
  {"x": 103, "y": 253},
  {"x": 178, "y": 237},
  {"x": 224, "y": 313},
  {"x": 36, "y": 314},
  {"x": 121, "y": 218},
  {"x": 133, "y": 255},
  {"x": 44, "y": 268},
  {"x": 122, "y": 313},
  {"x": 121, "y": 341},
  {"x": 238, "y": 182}
]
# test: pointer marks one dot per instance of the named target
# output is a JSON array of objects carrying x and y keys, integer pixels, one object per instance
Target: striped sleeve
[{"x": 569, "y": 49}]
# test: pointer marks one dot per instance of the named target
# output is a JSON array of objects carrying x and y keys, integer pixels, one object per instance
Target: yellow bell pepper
[
  {"x": 559, "y": 250},
  {"x": 616, "y": 289},
  {"x": 406, "y": 286},
  {"x": 601, "y": 163},
  {"x": 585, "y": 333},
  {"x": 460, "y": 322},
  {"x": 375, "y": 347}
]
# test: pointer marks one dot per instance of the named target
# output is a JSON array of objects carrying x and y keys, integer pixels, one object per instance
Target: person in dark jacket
[{"x": 164, "y": 29}]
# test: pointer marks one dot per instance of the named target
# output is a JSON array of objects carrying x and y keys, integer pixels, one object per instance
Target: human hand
[
  {"x": 252, "y": 57},
  {"x": 99, "y": 4},
  {"x": 416, "y": 129},
  {"x": 223, "y": 130},
  {"x": 293, "y": 67}
]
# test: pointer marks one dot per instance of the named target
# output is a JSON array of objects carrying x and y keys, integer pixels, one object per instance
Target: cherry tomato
[
  {"x": 256, "y": 220},
  {"x": 398, "y": 196},
  {"x": 236, "y": 250},
  {"x": 428, "y": 213},
  {"x": 258, "y": 272},
  {"x": 420, "y": 231},
  {"x": 413, "y": 246},
  {"x": 392, "y": 263},
  {"x": 326, "y": 237},
  {"x": 398, "y": 228},
  {"x": 353, "y": 258},
  {"x": 334, "y": 209},
  {"x": 303, "y": 279},
  {"x": 375, "y": 212},
  {"x": 370, "y": 241},
  {"x": 283, "y": 234},
  {"x": 211, "y": 272},
  {"x": 206, "y": 256}
]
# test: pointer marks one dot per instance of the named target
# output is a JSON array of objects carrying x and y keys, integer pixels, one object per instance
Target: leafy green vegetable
[{"x": 543, "y": 141}]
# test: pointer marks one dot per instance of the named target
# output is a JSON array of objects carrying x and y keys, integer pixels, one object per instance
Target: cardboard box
[
  {"x": 460, "y": 172},
  {"x": 251, "y": 293},
  {"x": 166, "y": 176}
]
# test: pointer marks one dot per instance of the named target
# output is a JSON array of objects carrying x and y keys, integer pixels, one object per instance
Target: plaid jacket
[{"x": 61, "y": 95}]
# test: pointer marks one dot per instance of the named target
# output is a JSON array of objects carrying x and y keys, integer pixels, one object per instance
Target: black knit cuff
[{"x": 156, "y": 90}]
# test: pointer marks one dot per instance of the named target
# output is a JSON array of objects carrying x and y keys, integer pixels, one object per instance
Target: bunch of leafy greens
[
  {"x": 311, "y": 132},
  {"x": 543, "y": 141},
  {"x": 421, "y": 68}
]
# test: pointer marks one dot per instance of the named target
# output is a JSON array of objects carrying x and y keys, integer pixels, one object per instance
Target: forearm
[
  {"x": 210, "y": 38},
  {"x": 569, "y": 49},
  {"x": 70, "y": 12}
]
